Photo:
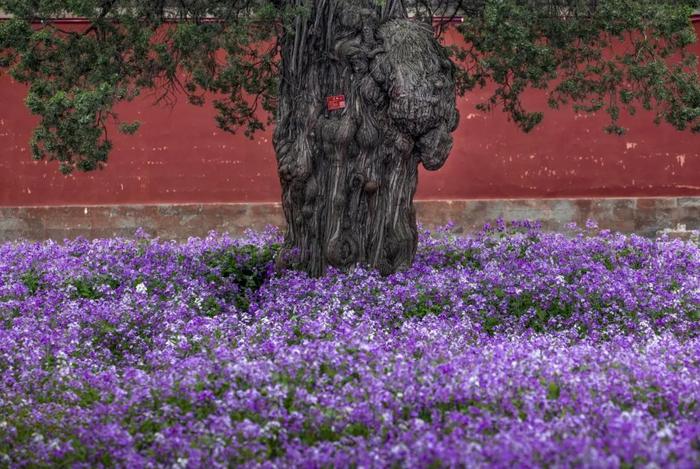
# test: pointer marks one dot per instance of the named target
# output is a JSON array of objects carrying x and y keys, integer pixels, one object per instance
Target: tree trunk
[{"x": 349, "y": 172}]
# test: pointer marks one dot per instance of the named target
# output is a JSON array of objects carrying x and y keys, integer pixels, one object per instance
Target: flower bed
[{"x": 510, "y": 347}]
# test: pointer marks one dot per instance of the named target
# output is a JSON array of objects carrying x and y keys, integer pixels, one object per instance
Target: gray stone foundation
[{"x": 677, "y": 216}]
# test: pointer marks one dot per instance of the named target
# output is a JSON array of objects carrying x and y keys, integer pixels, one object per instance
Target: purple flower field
[{"x": 509, "y": 348}]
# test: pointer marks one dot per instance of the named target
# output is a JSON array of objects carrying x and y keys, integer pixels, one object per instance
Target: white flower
[
  {"x": 665, "y": 432},
  {"x": 64, "y": 371},
  {"x": 141, "y": 288},
  {"x": 399, "y": 449},
  {"x": 272, "y": 427}
]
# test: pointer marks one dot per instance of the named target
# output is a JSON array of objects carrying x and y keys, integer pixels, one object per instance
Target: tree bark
[{"x": 349, "y": 175}]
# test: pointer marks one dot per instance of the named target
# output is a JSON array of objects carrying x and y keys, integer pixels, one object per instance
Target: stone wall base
[{"x": 644, "y": 216}]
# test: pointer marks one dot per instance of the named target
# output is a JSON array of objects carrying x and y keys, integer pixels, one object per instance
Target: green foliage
[
  {"x": 553, "y": 390},
  {"x": 85, "y": 289},
  {"x": 211, "y": 307},
  {"x": 89, "y": 288},
  {"x": 32, "y": 280},
  {"x": 468, "y": 258},
  {"x": 247, "y": 267},
  {"x": 614, "y": 56},
  {"x": 611, "y": 55},
  {"x": 78, "y": 74},
  {"x": 427, "y": 303},
  {"x": 129, "y": 128}
]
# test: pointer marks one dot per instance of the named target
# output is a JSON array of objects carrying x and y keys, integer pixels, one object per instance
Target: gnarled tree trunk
[{"x": 349, "y": 172}]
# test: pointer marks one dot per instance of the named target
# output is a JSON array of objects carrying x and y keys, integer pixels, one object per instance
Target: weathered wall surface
[
  {"x": 179, "y": 156},
  {"x": 644, "y": 216},
  {"x": 181, "y": 176}
]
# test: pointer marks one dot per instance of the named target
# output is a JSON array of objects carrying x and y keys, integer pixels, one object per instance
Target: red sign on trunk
[{"x": 335, "y": 102}]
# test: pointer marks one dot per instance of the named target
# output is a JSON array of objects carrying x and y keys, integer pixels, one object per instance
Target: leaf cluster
[
  {"x": 78, "y": 72},
  {"x": 612, "y": 55}
]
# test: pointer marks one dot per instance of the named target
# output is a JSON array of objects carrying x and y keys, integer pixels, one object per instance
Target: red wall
[{"x": 179, "y": 156}]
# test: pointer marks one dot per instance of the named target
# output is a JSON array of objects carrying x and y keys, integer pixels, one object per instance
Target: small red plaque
[{"x": 335, "y": 102}]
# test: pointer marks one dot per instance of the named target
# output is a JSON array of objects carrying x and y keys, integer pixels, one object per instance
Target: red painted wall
[{"x": 179, "y": 156}]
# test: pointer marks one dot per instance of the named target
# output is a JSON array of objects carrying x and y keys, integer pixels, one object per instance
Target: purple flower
[{"x": 512, "y": 347}]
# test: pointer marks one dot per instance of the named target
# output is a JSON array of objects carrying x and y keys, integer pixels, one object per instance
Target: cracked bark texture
[{"x": 349, "y": 176}]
